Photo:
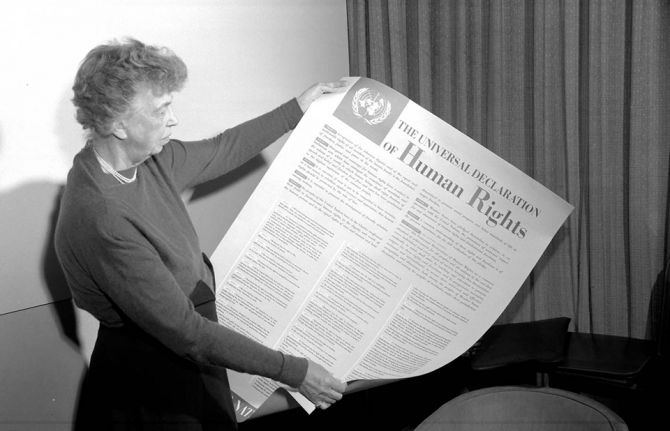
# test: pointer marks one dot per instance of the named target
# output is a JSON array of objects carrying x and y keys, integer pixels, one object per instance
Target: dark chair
[
  {"x": 522, "y": 408},
  {"x": 625, "y": 370},
  {"x": 529, "y": 348},
  {"x": 606, "y": 360},
  {"x": 547, "y": 349}
]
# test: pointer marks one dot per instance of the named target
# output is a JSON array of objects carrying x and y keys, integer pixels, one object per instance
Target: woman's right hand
[{"x": 320, "y": 387}]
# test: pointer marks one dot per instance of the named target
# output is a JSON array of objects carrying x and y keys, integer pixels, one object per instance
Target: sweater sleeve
[
  {"x": 195, "y": 162},
  {"x": 132, "y": 275}
]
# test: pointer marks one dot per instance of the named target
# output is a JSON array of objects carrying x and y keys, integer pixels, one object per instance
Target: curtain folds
[{"x": 575, "y": 94}]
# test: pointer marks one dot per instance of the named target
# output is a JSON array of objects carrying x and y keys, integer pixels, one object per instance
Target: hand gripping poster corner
[{"x": 381, "y": 243}]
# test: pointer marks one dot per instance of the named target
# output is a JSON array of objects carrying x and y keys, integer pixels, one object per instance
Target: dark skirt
[{"x": 136, "y": 383}]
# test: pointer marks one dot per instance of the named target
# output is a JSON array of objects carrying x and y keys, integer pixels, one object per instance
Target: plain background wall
[{"x": 245, "y": 57}]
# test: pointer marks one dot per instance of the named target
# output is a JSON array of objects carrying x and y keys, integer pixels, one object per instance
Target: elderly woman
[{"x": 132, "y": 259}]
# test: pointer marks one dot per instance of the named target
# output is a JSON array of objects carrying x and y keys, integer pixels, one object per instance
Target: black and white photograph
[{"x": 403, "y": 215}]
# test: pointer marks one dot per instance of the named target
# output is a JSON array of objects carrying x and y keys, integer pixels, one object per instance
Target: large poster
[{"x": 381, "y": 243}]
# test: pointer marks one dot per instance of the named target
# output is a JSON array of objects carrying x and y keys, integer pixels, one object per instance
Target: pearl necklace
[{"x": 108, "y": 169}]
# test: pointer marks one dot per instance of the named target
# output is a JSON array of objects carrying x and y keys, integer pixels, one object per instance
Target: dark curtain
[{"x": 575, "y": 94}]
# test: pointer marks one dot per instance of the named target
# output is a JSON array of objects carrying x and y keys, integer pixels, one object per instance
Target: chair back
[{"x": 516, "y": 408}]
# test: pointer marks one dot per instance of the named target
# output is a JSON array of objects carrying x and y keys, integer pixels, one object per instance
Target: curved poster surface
[{"x": 382, "y": 242}]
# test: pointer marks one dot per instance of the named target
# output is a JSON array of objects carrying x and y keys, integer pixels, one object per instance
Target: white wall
[{"x": 244, "y": 57}]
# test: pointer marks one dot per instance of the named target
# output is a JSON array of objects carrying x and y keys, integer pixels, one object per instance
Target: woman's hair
[{"x": 112, "y": 74}]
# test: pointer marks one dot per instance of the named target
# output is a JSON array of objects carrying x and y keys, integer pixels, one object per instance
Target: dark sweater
[{"x": 130, "y": 251}]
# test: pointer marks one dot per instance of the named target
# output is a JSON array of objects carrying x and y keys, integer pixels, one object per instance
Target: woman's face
[{"x": 148, "y": 125}]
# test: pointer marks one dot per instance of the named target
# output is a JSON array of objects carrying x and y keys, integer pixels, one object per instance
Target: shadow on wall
[{"x": 31, "y": 274}]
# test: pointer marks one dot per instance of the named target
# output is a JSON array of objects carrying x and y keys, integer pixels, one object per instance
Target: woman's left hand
[{"x": 316, "y": 90}]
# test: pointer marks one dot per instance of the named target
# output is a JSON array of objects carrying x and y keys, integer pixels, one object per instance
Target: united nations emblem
[{"x": 370, "y": 106}]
